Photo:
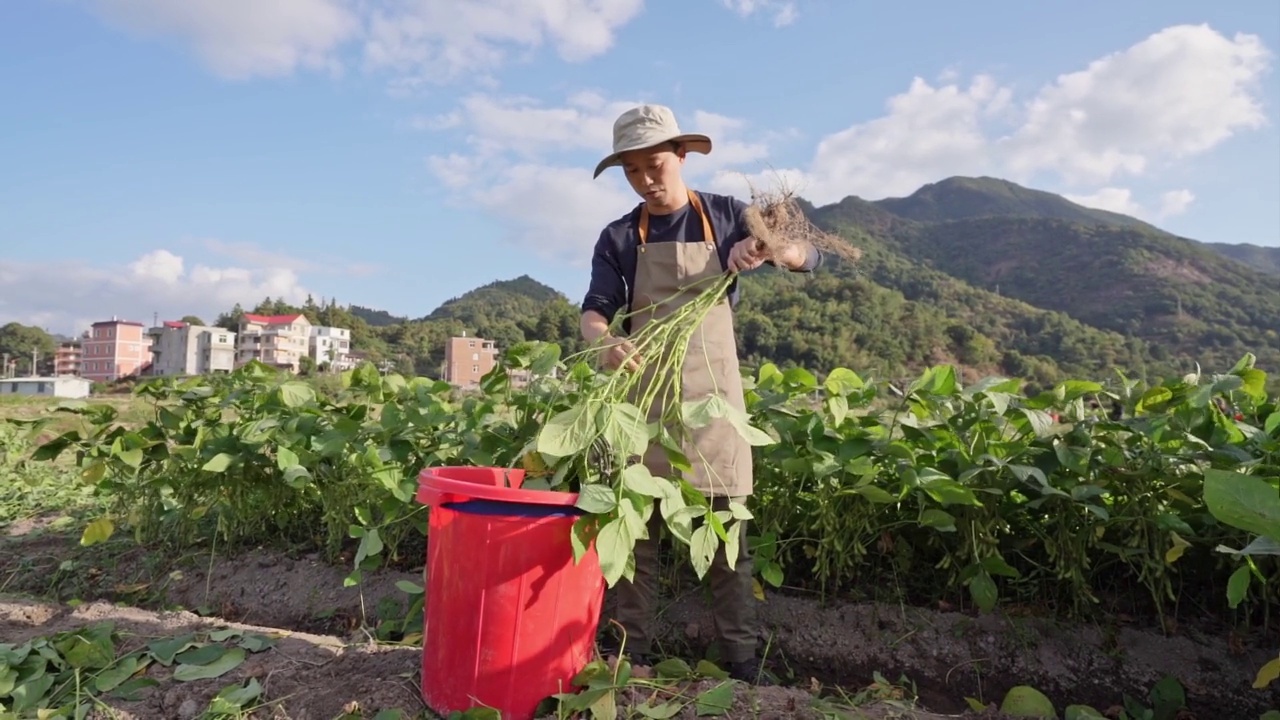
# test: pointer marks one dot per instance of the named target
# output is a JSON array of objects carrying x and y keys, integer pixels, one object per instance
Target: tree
[
  {"x": 192, "y": 320},
  {"x": 18, "y": 341}
]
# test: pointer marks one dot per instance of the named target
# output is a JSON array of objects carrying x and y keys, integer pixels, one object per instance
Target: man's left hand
[{"x": 744, "y": 256}]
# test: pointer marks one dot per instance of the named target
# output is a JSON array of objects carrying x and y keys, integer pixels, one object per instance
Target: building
[
  {"x": 277, "y": 340},
  {"x": 114, "y": 349},
  {"x": 181, "y": 349},
  {"x": 331, "y": 346},
  {"x": 68, "y": 386},
  {"x": 467, "y": 360},
  {"x": 67, "y": 358}
]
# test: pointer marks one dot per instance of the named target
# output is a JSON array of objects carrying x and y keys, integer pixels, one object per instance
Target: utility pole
[
  {"x": 34, "y": 355},
  {"x": 4, "y": 370}
]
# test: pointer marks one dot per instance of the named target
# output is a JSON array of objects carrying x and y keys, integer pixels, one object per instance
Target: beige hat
[{"x": 648, "y": 126}]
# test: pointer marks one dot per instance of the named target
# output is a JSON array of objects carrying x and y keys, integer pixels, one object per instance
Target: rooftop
[{"x": 271, "y": 319}]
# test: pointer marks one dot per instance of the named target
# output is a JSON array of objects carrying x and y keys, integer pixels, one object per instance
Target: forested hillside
[{"x": 977, "y": 271}]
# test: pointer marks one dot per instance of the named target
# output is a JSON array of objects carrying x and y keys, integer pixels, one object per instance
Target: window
[
  {"x": 471, "y": 343},
  {"x": 475, "y": 368},
  {"x": 475, "y": 356}
]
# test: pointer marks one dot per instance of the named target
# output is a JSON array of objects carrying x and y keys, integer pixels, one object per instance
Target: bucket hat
[{"x": 647, "y": 126}]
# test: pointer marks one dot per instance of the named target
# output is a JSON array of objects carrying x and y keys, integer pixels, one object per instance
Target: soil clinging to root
[{"x": 948, "y": 656}]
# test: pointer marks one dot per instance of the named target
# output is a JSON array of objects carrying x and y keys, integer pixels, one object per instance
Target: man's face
[{"x": 653, "y": 173}]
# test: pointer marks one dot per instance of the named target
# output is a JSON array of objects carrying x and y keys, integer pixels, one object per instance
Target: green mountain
[
  {"x": 1266, "y": 259},
  {"x": 1184, "y": 300},
  {"x": 976, "y": 271},
  {"x": 961, "y": 198}
]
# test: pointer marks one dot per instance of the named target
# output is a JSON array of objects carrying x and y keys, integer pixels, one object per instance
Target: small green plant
[{"x": 68, "y": 674}]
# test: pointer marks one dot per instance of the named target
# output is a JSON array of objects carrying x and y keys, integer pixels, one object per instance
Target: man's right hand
[{"x": 619, "y": 352}]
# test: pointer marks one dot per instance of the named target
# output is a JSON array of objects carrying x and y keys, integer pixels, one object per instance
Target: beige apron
[{"x": 668, "y": 275}]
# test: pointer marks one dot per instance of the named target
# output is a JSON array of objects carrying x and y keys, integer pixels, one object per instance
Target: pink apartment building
[{"x": 113, "y": 349}]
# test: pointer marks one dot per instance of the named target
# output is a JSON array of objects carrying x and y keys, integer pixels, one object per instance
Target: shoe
[{"x": 752, "y": 672}]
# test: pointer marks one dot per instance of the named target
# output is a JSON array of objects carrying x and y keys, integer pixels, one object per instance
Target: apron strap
[{"x": 697, "y": 206}]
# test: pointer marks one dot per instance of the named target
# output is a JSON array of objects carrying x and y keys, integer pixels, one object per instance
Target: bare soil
[{"x": 329, "y": 665}]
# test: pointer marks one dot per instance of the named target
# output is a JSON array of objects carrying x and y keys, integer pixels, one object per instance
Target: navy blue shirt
[{"x": 613, "y": 264}]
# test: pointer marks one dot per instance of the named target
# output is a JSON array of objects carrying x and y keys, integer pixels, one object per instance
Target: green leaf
[
  {"x": 296, "y": 393},
  {"x": 1243, "y": 501},
  {"x": 228, "y": 661},
  {"x": 1082, "y": 712},
  {"x": 1272, "y": 423},
  {"x": 699, "y": 413},
  {"x": 1267, "y": 674},
  {"x": 673, "y": 669},
  {"x": 1255, "y": 384},
  {"x": 702, "y": 549},
  {"x": 716, "y": 701},
  {"x": 255, "y": 643},
  {"x": 166, "y": 649},
  {"x": 568, "y": 433},
  {"x": 132, "y": 458},
  {"x": 753, "y": 435},
  {"x": 97, "y": 531},
  {"x": 597, "y": 499},
  {"x": 949, "y": 492},
  {"x": 218, "y": 463},
  {"x": 111, "y": 678},
  {"x": 1237, "y": 586},
  {"x": 982, "y": 588},
  {"x": 640, "y": 481},
  {"x": 872, "y": 493},
  {"x": 613, "y": 546},
  {"x": 938, "y": 520},
  {"x": 772, "y": 574},
  {"x": 625, "y": 429},
  {"x": 664, "y": 711},
  {"x": 841, "y": 382},
  {"x": 286, "y": 458},
  {"x": 1040, "y": 421},
  {"x": 409, "y": 587},
  {"x": 938, "y": 380}
]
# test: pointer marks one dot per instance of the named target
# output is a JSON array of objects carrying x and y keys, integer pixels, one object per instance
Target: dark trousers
[{"x": 732, "y": 596}]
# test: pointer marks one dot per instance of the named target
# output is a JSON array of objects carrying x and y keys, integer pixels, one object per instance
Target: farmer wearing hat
[{"x": 657, "y": 257}]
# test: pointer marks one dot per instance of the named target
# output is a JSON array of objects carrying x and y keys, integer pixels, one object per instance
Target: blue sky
[{"x": 177, "y": 156}]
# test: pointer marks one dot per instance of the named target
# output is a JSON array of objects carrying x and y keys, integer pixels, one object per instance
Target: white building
[
  {"x": 331, "y": 345},
  {"x": 276, "y": 340},
  {"x": 66, "y": 386},
  {"x": 181, "y": 349}
]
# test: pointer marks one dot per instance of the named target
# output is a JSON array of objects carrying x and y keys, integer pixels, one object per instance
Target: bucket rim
[{"x": 435, "y": 488}]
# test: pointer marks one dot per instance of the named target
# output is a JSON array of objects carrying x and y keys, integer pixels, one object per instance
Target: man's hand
[
  {"x": 619, "y": 352},
  {"x": 744, "y": 255}
]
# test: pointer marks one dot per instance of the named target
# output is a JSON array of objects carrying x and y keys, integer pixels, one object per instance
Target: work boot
[{"x": 752, "y": 672}]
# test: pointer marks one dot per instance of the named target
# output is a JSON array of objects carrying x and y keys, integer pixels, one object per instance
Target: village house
[
  {"x": 114, "y": 349},
  {"x": 179, "y": 348}
]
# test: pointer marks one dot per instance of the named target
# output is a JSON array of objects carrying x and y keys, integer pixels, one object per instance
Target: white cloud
[
  {"x": 784, "y": 12},
  {"x": 1176, "y": 202},
  {"x": 1121, "y": 200},
  {"x": 239, "y": 39},
  {"x": 516, "y": 166},
  {"x": 1114, "y": 199},
  {"x": 55, "y": 294},
  {"x": 422, "y": 41},
  {"x": 1178, "y": 93},
  {"x": 437, "y": 40}
]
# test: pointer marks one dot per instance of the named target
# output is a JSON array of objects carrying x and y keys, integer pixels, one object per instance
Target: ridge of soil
[{"x": 947, "y": 655}]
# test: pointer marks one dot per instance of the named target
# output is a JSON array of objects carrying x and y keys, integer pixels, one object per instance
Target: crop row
[{"x": 939, "y": 491}]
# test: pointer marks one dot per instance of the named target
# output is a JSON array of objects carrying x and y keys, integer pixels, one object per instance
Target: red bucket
[{"x": 509, "y": 618}]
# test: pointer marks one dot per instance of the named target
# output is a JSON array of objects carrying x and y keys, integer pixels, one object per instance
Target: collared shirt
[{"x": 613, "y": 264}]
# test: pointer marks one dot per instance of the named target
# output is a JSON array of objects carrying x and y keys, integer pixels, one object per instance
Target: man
[{"x": 655, "y": 258}]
